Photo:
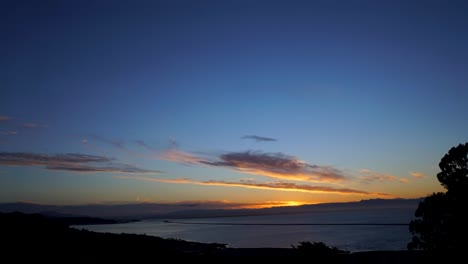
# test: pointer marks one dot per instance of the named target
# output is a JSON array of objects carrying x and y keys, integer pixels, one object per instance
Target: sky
[{"x": 252, "y": 103}]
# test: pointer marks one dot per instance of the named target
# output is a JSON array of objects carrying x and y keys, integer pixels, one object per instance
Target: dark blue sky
[{"x": 360, "y": 95}]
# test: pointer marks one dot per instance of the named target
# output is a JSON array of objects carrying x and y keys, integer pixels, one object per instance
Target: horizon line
[{"x": 288, "y": 224}]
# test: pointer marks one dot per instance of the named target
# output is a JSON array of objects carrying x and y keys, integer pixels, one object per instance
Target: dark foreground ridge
[{"x": 32, "y": 236}]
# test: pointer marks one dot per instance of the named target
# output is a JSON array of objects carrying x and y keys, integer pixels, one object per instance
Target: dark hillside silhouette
[
  {"x": 442, "y": 221},
  {"x": 35, "y": 236}
]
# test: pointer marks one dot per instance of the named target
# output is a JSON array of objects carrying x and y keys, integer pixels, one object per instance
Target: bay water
[{"x": 352, "y": 230}]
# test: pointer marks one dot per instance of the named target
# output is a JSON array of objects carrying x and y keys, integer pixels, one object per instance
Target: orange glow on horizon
[
  {"x": 294, "y": 203},
  {"x": 271, "y": 204}
]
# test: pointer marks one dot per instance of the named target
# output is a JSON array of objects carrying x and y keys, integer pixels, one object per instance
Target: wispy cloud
[
  {"x": 116, "y": 143},
  {"x": 278, "y": 186},
  {"x": 403, "y": 180},
  {"x": 29, "y": 125},
  {"x": 69, "y": 162},
  {"x": 173, "y": 143},
  {"x": 144, "y": 145},
  {"x": 116, "y": 168},
  {"x": 418, "y": 175},
  {"x": 370, "y": 176},
  {"x": 113, "y": 142},
  {"x": 8, "y": 132},
  {"x": 32, "y": 125},
  {"x": 258, "y": 138},
  {"x": 11, "y": 127},
  {"x": 277, "y": 165},
  {"x": 4, "y": 118},
  {"x": 176, "y": 155},
  {"x": 23, "y": 158},
  {"x": 18, "y": 126}
]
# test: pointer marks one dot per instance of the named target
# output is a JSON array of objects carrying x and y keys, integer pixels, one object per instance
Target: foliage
[
  {"x": 441, "y": 223},
  {"x": 317, "y": 248},
  {"x": 429, "y": 230},
  {"x": 454, "y": 170}
]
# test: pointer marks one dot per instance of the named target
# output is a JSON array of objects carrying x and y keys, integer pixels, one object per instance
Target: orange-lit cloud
[
  {"x": 309, "y": 176},
  {"x": 370, "y": 176},
  {"x": 278, "y": 186},
  {"x": 418, "y": 175},
  {"x": 69, "y": 162},
  {"x": 273, "y": 165},
  {"x": 404, "y": 180}
]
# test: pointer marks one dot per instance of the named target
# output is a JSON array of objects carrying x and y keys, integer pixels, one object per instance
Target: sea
[{"x": 352, "y": 230}]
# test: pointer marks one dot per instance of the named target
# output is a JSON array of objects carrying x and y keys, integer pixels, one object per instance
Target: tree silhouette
[
  {"x": 454, "y": 171},
  {"x": 442, "y": 224}
]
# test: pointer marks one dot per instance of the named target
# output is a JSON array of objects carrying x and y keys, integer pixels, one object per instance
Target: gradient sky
[{"x": 262, "y": 102}]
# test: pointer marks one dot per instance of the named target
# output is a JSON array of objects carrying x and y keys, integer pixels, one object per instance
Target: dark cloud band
[
  {"x": 258, "y": 138},
  {"x": 69, "y": 162},
  {"x": 276, "y": 165}
]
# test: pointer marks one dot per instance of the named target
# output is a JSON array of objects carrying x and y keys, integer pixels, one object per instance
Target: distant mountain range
[{"x": 142, "y": 211}]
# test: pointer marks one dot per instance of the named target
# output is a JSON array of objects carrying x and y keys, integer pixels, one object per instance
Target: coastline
[{"x": 51, "y": 240}]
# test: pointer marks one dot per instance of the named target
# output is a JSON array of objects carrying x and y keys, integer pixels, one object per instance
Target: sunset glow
[
  {"x": 270, "y": 204},
  {"x": 256, "y": 103}
]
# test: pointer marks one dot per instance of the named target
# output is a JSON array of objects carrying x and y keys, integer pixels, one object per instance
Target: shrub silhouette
[
  {"x": 441, "y": 223},
  {"x": 316, "y": 248}
]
